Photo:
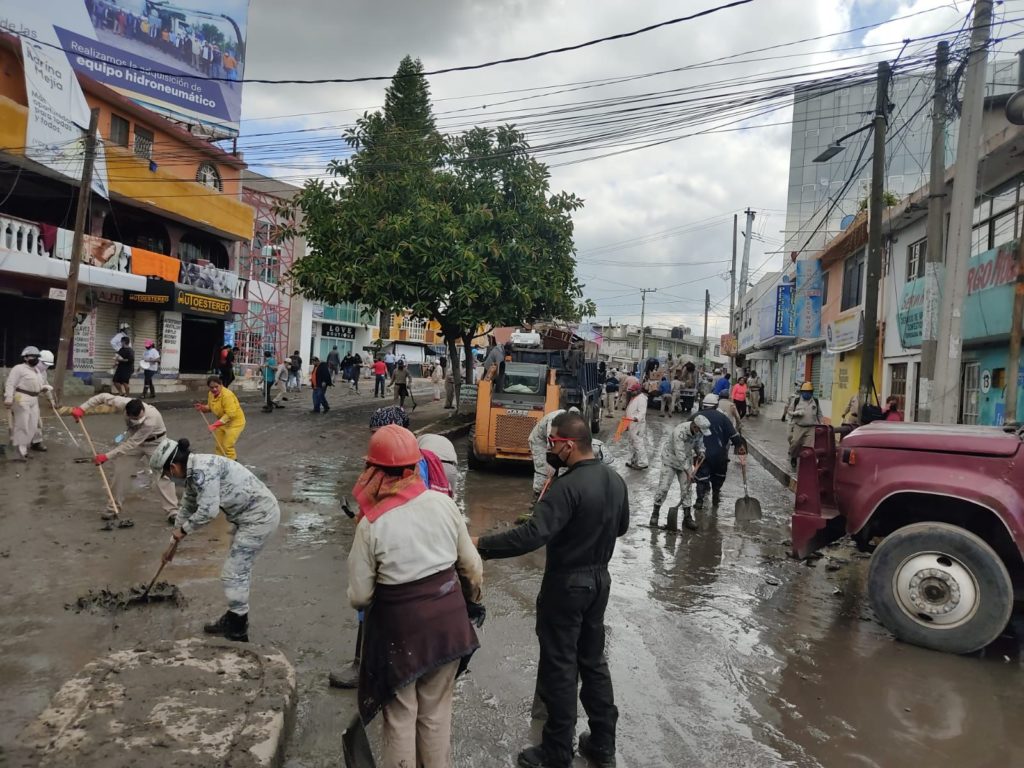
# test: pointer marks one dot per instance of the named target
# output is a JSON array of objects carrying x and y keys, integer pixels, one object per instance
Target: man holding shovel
[
  {"x": 144, "y": 430},
  {"x": 21, "y": 397},
  {"x": 680, "y": 459},
  {"x": 711, "y": 475}
]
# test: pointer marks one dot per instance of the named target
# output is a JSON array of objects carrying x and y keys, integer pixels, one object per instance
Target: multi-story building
[
  {"x": 620, "y": 345},
  {"x": 160, "y": 253}
]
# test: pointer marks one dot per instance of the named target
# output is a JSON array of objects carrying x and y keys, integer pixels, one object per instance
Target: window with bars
[
  {"x": 917, "y": 254},
  {"x": 143, "y": 142},
  {"x": 415, "y": 330},
  {"x": 898, "y": 383}
]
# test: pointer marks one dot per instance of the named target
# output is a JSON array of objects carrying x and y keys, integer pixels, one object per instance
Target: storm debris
[{"x": 106, "y": 600}]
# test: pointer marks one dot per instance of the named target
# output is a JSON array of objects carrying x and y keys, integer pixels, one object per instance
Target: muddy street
[{"x": 724, "y": 652}]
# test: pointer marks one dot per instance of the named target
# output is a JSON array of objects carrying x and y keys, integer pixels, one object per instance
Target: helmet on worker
[
  {"x": 807, "y": 387},
  {"x": 163, "y": 454},
  {"x": 393, "y": 446},
  {"x": 46, "y": 358},
  {"x": 30, "y": 355},
  {"x": 702, "y": 423},
  {"x": 710, "y": 401}
]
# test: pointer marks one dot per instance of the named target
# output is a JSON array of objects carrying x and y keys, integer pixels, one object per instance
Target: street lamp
[{"x": 836, "y": 146}]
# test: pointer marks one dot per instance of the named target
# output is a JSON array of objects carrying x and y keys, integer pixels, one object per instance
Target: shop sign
[
  {"x": 845, "y": 333},
  {"x": 910, "y": 314},
  {"x": 84, "y": 344},
  {"x": 337, "y": 331},
  {"x": 200, "y": 304},
  {"x": 170, "y": 340},
  {"x": 159, "y": 294},
  {"x": 807, "y": 298},
  {"x": 728, "y": 344},
  {"x": 208, "y": 278},
  {"x": 988, "y": 305}
]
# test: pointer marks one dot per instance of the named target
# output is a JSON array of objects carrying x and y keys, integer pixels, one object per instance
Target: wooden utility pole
[
  {"x": 732, "y": 289},
  {"x": 874, "y": 264},
  {"x": 936, "y": 225},
  {"x": 67, "y": 323},
  {"x": 946, "y": 389},
  {"x": 704, "y": 342}
]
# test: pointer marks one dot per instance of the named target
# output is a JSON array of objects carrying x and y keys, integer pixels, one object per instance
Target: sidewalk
[{"x": 768, "y": 441}]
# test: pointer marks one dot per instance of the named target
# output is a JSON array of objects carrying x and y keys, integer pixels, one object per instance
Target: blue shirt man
[{"x": 722, "y": 386}]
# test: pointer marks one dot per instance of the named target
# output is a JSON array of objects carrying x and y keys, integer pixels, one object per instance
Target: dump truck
[
  {"x": 535, "y": 381},
  {"x": 941, "y": 510}
]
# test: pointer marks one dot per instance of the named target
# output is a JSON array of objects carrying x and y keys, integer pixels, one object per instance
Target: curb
[{"x": 775, "y": 469}]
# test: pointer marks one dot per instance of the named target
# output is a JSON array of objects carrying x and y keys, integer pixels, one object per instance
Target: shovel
[
  {"x": 747, "y": 508},
  {"x": 174, "y": 548},
  {"x": 356, "y": 745},
  {"x": 103, "y": 475}
]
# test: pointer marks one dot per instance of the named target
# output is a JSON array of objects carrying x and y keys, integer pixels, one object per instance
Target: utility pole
[
  {"x": 732, "y": 290},
  {"x": 744, "y": 270},
  {"x": 934, "y": 253},
  {"x": 67, "y": 322},
  {"x": 707, "y": 308},
  {"x": 874, "y": 265},
  {"x": 643, "y": 310},
  {"x": 946, "y": 390}
]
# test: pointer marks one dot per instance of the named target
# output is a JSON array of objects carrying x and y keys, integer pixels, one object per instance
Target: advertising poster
[
  {"x": 170, "y": 340},
  {"x": 182, "y": 58},
  {"x": 83, "y": 349},
  {"x": 807, "y": 299},
  {"x": 784, "y": 310},
  {"x": 910, "y": 316}
]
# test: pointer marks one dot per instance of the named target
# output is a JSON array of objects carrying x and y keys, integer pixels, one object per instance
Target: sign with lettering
[
  {"x": 807, "y": 296},
  {"x": 84, "y": 344},
  {"x": 201, "y": 304},
  {"x": 846, "y": 332},
  {"x": 170, "y": 342},
  {"x": 159, "y": 294},
  {"x": 784, "y": 310},
  {"x": 910, "y": 313},
  {"x": 337, "y": 331},
  {"x": 988, "y": 305}
]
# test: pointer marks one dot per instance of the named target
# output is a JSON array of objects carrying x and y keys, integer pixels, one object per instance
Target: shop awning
[
  {"x": 761, "y": 354},
  {"x": 804, "y": 346}
]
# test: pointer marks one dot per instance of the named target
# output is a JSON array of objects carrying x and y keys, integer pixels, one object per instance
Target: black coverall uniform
[
  {"x": 579, "y": 518},
  {"x": 711, "y": 475}
]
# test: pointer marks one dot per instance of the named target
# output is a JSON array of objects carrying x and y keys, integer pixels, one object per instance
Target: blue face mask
[{"x": 805, "y": 395}]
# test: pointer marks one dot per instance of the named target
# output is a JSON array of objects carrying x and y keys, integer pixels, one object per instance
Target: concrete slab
[{"x": 188, "y": 703}]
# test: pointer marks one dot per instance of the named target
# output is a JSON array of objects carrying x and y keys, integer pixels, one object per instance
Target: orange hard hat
[{"x": 393, "y": 446}]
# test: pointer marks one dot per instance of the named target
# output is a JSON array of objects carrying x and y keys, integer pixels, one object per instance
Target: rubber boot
[
  {"x": 230, "y": 625},
  {"x": 348, "y": 678},
  {"x": 602, "y": 758},
  {"x": 218, "y": 627},
  {"x": 672, "y": 523},
  {"x": 654, "y": 516},
  {"x": 688, "y": 521},
  {"x": 39, "y": 447},
  {"x": 716, "y": 497}
]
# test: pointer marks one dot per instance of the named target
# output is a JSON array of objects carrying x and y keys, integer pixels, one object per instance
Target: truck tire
[
  {"x": 472, "y": 460},
  {"x": 940, "y": 586},
  {"x": 595, "y": 419}
]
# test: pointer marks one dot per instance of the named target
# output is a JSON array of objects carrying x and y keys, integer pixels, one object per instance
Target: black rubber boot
[
  {"x": 716, "y": 497},
  {"x": 218, "y": 627},
  {"x": 688, "y": 520},
  {"x": 700, "y": 502},
  {"x": 348, "y": 678},
  {"x": 602, "y": 758},
  {"x": 672, "y": 523},
  {"x": 39, "y": 447},
  {"x": 230, "y": 625},
  {"x": 654, "y": 516},
  {"x": 535, "y": 757}
]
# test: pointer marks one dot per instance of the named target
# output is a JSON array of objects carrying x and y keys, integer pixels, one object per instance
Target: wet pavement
[{"x": 724, "y": 652}]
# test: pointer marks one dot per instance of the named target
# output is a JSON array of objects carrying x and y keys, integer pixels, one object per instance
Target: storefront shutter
[
  {"x": 144, "y": 326},
  {"x": 816, "y": 374},
  {"x": 108, "y": 317}
]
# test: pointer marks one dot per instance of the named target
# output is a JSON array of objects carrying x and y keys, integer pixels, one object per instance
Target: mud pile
[{"x": 106, "y": 600}]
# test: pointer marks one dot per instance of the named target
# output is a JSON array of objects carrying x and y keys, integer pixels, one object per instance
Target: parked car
[{"x": 941, "y": 509}]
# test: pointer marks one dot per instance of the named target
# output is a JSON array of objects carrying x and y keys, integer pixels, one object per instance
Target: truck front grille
[{"x": 512, "y": 433}]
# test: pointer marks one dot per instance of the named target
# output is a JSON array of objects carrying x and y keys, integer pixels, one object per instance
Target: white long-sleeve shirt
[
  {"x": 637, "y": 408},
  {"x": 407, "y": 543},
  {"x": 24, "y": 377},
  {"x": 149, "y": 429}
]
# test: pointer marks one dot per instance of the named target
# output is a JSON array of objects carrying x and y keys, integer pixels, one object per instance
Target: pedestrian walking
[
  {"x": 636, "y": 415},
  {"x": 223, "y": 403},
  {"x": 380, "y": 378},
  {"x": 755, "y": 394},
  {"x": 144, "y": 429},
  {"x": 227, "y": 365},
  {"x": 711, "y": 475},
  {"x": 892, "y": 409},
  {"x": 436, "y": 378},
  {"x": 682, "y": 452},
  {"x": 281, "y": 383},
  {"x": 21, "y": 397},
  {"x": 355, "y": 370},
  {"x": 334, "y": 360},
  {"x": 611, "y": 393},
  {"x": 410, "y": 553},
  {"x": 390, "y": 360},
  {"x": 320, "y": 380},
  {"x": 803, "y": 419},
  {"x": 723, "y": 386},
  {"x": 124, "y": 366},
  {"x": 294, "y": 369},
  {"x": 449, "y": 389},
  {"x": 215, "y": 483},
  {"x": 150, "y": 366},
  {"x": 579, "y": 519},
  {"x": 269, "y": 375},
  {"x": 726, "y": 406},
  {"x": 739, "y": 396},
  {"x": 400, "y": 382}
]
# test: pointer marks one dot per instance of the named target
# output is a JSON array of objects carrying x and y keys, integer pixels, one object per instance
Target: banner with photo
[
  {"x": 182, "y": 58},
  {"x": 208, "y": 278}
]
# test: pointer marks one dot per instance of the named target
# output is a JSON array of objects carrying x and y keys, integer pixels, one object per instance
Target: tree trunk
[
  {"x": 453, "y": 361},
  {"x": 467, "y": 347}
]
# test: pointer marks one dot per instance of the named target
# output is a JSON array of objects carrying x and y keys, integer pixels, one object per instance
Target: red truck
[{"x": 941, "y": 509}]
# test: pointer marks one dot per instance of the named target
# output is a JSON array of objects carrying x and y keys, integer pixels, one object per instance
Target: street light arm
[{"x": 851, "y": 134}]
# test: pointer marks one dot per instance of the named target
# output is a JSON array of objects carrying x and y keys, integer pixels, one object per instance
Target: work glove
[
  {"x": 78, "y": 413},
  {"x": 200, "y": 407},
  {"x": 100, "y": 459},
  {"x": 477, "y": 614},
  {"x": 47, "y": 388},
  {"x": 216, "y": 425}
]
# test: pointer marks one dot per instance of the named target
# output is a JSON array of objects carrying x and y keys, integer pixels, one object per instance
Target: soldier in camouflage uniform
[
  {"x": 214, "y": 483},
  {"x": 684, "y": 446}
]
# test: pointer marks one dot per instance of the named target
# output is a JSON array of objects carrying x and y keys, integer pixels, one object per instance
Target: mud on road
[{"x": 724, "y": 652}]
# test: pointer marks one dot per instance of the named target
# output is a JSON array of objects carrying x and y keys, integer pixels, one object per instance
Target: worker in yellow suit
[{"x": 223, "y": 403}]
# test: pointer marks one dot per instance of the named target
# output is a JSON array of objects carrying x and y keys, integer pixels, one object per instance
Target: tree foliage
[{"x": 460, "y": 229}]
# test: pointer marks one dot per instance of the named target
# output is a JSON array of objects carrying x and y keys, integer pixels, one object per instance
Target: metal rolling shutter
[
  {"x": 108, "y": 316},
  {"x": 816, "y": 374},
  {"x": 144, "y": 326}
]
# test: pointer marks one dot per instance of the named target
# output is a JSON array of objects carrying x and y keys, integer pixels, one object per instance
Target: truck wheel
[
  {"x": 941, "y": 587},
  {"x": 472, "y": 460},
  {"x": 595, "y": 420}
]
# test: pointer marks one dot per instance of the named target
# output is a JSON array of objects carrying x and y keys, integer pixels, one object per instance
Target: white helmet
[
  {"x": 30, "y": 352},
  {"x": 46, "y": 358},
  {"x": 703, "y": 425},
  {"x": 163, "y": 453},
  {"x": 710, "y": 401}
]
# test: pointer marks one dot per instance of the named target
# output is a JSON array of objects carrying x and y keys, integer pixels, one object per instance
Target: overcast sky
[{"x": 655, "y": 193}]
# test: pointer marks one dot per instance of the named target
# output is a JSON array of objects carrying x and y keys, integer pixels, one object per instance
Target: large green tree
[{"x": 463, "y": 230}]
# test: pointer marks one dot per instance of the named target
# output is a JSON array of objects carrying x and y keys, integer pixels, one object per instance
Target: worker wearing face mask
[
  {"x": 804, "y": 416},
  {"x": 144, "y": 431},
  {"x": 21, "y": 397}
]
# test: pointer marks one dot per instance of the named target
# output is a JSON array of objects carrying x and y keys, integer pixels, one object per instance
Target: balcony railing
[{"x": 21, "y": 236}]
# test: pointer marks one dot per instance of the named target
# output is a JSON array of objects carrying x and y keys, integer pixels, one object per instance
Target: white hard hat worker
[
  {"x": 702, "y": 423},
  {"x": 46, "y": 358},
  {"x": 30, "y": 351},
  {"x": 710, "y": 401}
]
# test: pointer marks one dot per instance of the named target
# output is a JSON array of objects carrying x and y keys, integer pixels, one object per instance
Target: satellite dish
[
  {"x": 846, "y": 221},
  {"x": 1015, "y": 108}
]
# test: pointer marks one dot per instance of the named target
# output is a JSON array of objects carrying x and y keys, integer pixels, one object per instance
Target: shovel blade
[
  {"x": 748, "y": 508},
  {"x": 356, "y": 746}
]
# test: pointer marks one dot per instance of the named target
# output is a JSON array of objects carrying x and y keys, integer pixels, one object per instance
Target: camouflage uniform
[
  {"x": 213, "y": 483},
  {"x": 677, "y": 458}
]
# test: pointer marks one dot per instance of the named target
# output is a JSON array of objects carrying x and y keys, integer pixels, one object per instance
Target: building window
[
  {"x": 208, "y": 176},
  {"x": 415, "y": 330},
  {"x": 853, "y": 280},
  {"x": 119, "y": 130},
  {"x": 898, "y": 383},
  {"x": 970, "y": 390},
  {"x": 143, "y": 143},
  {"x": 346, "y": 312},
  {"x": 824, "y": 288},
  {"x": 917, "y": 254},
  {"x": 270, "y": 265}
]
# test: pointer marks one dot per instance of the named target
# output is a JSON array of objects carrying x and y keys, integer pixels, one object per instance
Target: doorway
[
  {"x": 201, "y": 339},
  {"x": 970, "y": 390}
]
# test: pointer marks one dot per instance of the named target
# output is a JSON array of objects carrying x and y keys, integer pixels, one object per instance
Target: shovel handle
[
  {"x": 216, "y": 437},
  {"x": 103, "y": 475}
]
